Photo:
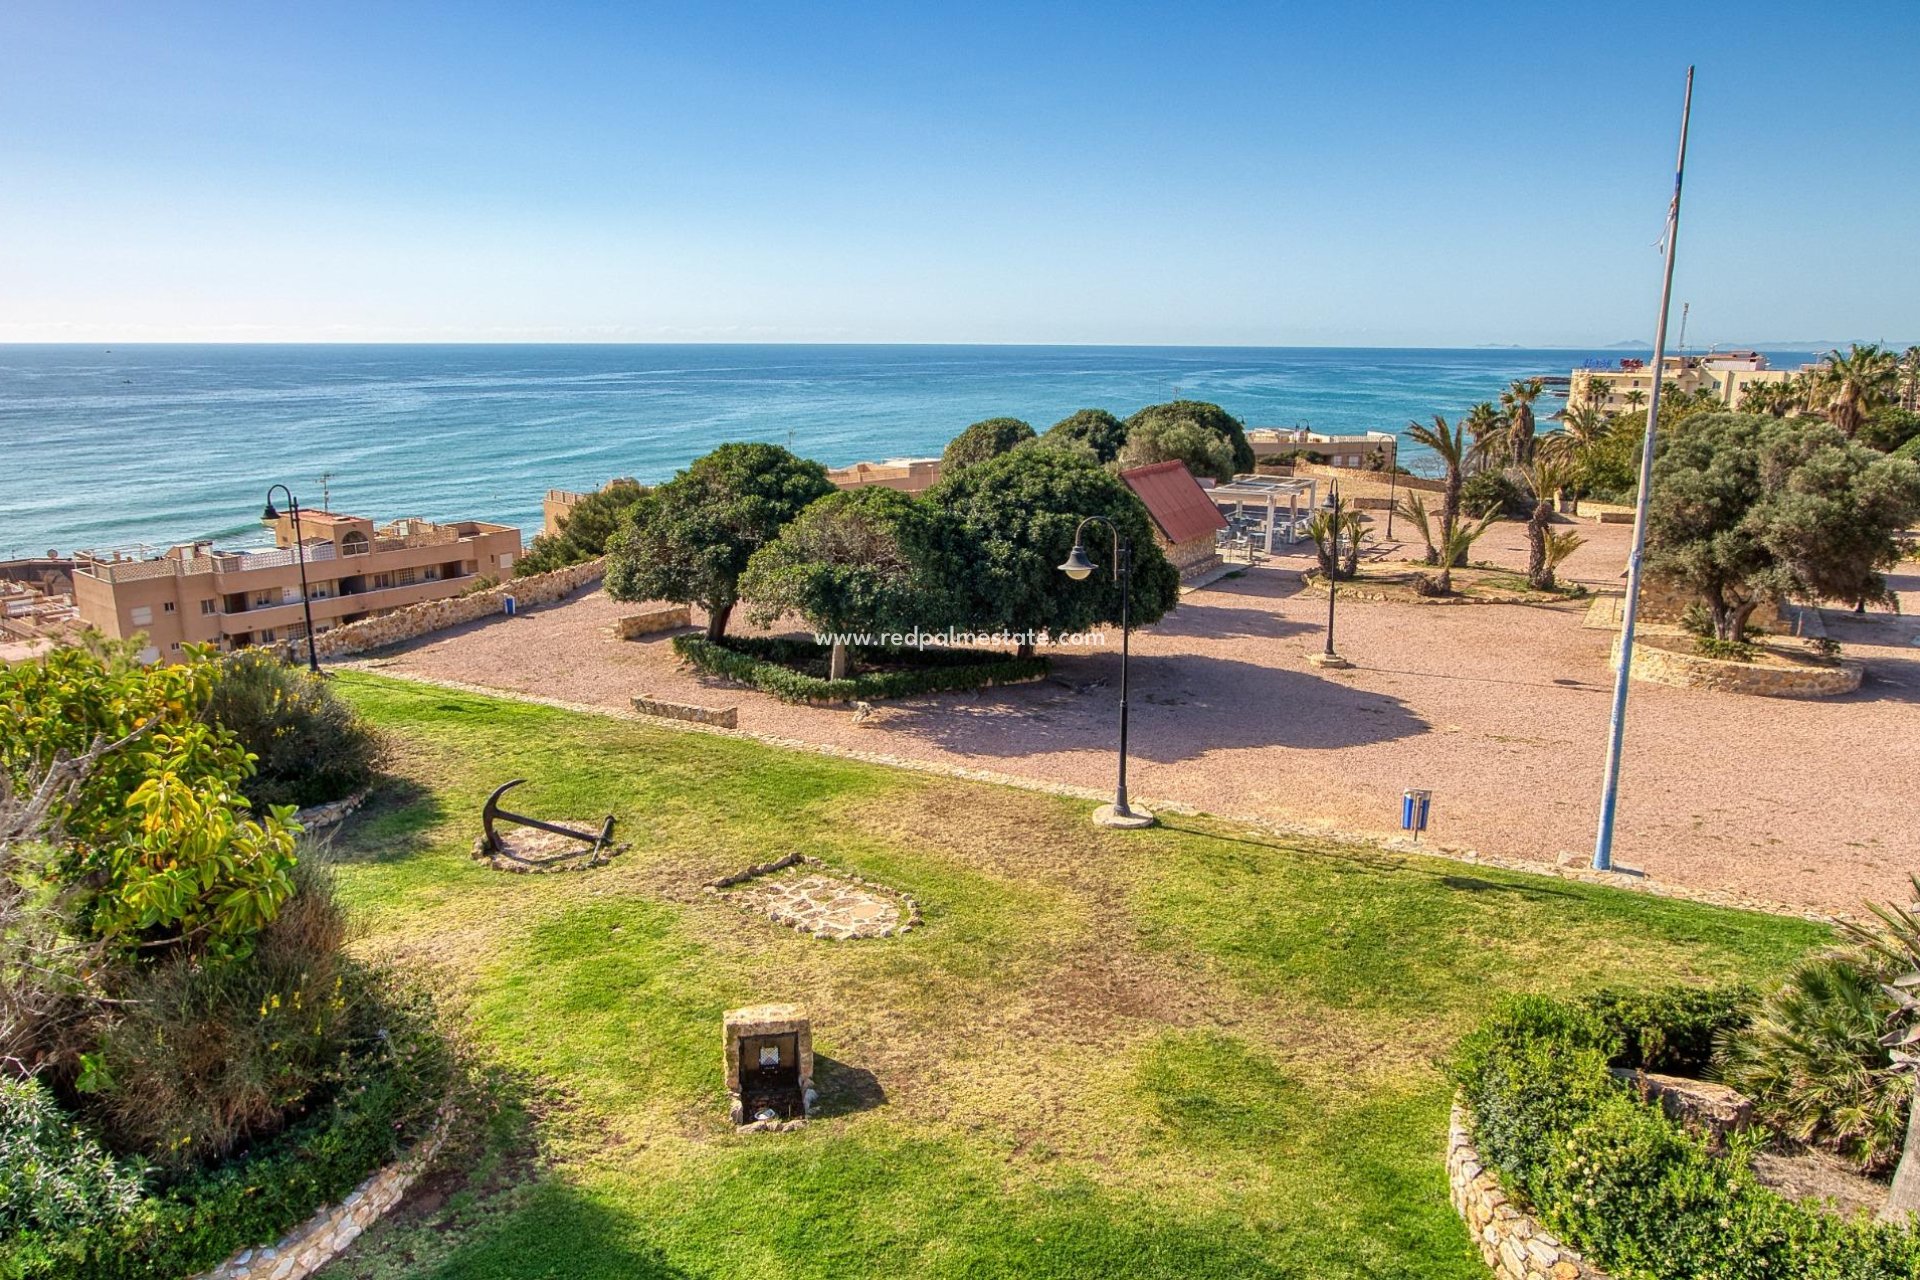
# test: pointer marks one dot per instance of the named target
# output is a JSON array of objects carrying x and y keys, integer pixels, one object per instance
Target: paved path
[{"x": 1500, "y": 710}]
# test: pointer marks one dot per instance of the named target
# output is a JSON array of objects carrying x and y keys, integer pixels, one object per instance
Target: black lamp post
[
  {"x": 300, "y": 555},
  {"x": 1080, "y": 568}
]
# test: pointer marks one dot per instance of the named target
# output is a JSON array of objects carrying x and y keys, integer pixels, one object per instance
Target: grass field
[{"x": 1196, "y": 1051}]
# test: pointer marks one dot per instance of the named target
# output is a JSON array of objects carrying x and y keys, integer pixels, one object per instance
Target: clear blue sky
[{"x": 1362, "y": 173}]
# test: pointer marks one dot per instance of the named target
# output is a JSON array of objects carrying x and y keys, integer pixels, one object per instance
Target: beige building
[
  {"x": 908, "y": 475},
  {"x": 1372, "y": 450},
  {"x": 1724, "y": 374},
  {"x": 197, "y": 595}
]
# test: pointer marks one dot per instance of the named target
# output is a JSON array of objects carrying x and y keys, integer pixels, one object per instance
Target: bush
[
  {"x": 55, "y": 1178},
  {"x": 309, "y": 746},
  {"x": 1814, "y": 1066},
  {"x": 1674, "y": 1030},
  {"x": 1725, "y": 650},
  {"x": 583, "y": 531},
  {"x": 206, "y": 1056},
  {"x": 1621, "y": 1182},
  {"x": 1489, "y": 491},
  {"x": 793, "y": 670}
]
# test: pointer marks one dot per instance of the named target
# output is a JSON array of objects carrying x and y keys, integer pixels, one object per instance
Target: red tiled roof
[{"x": 1175, "y": 500}]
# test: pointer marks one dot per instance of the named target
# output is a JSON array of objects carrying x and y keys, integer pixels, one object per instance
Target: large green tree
[
  {"x": 583, "y": 531},
  {"x": 1181, "y": 440},
  {"x": 862, "y": 561},
  {"x": 1745, "y": 507},
  {"x": 988, "y": 438},
  {"x": 1205, "y": 414},
  {"x": 1517, "y": 405},
  {"x": 690, "y": 539},
  {"x": 1094, "y": 432},
  {"x": 1852, "y": 386},
  {"x": 1013, "y": 521}
]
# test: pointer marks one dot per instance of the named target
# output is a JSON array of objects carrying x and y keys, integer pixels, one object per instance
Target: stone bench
[
  {"x": 652, "y": 622},
  {"x": 720, "y": 717}
]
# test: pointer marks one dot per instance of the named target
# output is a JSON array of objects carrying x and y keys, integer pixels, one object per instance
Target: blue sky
[{"x": 1363, "y": 173}]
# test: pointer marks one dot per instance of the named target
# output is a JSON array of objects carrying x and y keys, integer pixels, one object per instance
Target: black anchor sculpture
[{"x": 494, "y": 845}]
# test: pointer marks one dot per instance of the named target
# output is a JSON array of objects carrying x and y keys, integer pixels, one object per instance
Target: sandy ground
[{"x": 1500, "y": 710}]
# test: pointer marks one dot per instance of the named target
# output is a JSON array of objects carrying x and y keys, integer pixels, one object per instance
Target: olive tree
[
  {"x": 689, "y": 540},
  {"x": 1012, "y": 523},
  {"x": 1203, "y": 414},
  {"x": 1746, "y": 507},
  {"x": 1094, "y": 432},
  {"x": 985, "y": 439},
  {"x": 1181, "y": 440},
  {"x": 853, "y": 562},
  {"x": 584, "y": 530}
]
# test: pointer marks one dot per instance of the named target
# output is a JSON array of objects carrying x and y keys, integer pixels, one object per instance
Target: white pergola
[{"x": 1268, "y": 492}]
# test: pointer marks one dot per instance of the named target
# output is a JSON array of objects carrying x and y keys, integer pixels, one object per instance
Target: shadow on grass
[
  {"x": 844, "y": 1088},
  {"x": 560, "y": 1234},
  {"x": 1474, "y": 884},
  {"x": 396, "y": 822}
]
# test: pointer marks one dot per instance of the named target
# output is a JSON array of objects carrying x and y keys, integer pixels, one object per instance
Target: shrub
[
  {"x": 309, "y": 746},
  {"x": 1814, "y": 1066},
  {"x": 1725, "y": 650},
  {"x": 1696, "y": 621},
  {"x": 1674, "y": 1030},
  {"x": 988, "y": 438},
  {"x": 584, "y": 531},
  {"x": 1621, "y": 1182},
  {"x": 1486, "y": 492},
  {"x": 55, "y": 1178},
  {"x": 793, "y": 670},
  {"x": 207, "y": 1056}
]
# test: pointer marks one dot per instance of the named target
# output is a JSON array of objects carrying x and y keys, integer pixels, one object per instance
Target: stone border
[
  {"x": 328, "y": 1233},
  {"x": 718, "y": 717},
  {"x": 1656, "y": 665},
  {"x": 912, "y": 904},
  {"x": 650, "y": 622},
  {"x": 1319, "y": 833},
  {"x": 1512, "y": 1244},
  {"x": 321, "y": 816}
]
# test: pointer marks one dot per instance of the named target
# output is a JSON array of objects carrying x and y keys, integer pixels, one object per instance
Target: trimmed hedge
[
  {"x": 198, "y": 1221},
  {"x": 1617, "y": 1179},
  {"x": 770, "y": 664}
]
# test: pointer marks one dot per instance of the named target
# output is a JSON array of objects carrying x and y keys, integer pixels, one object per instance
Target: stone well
[{"x": 769, "y": 1064}]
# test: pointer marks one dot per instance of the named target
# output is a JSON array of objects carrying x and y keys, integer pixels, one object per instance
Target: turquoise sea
[{"x": 119, "y": 446}]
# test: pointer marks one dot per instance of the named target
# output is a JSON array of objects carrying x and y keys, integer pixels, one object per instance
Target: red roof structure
[{"x": 1175, "y": 500}]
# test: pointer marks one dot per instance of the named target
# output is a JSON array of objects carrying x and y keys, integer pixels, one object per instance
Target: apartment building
[
  {"x": 1371, "y": 450},
  {"x": 1725, "y": 374},
  {"x": 234, "y": 599},
  {"x": 908, "y": 475}
]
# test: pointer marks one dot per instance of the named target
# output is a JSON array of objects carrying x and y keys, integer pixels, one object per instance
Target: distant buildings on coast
[{"x": 1724, "y": 374}]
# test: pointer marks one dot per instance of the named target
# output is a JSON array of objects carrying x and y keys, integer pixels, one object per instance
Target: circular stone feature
[{"x": 803, "y": 894}]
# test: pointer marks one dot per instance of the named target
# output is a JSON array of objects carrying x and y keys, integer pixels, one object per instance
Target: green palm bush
[{"x": 1813, "y": 1062}]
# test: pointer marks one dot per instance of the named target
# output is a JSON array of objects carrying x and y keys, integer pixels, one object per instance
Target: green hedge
[
  {"x": 1616, "y": 1179},
  {"x": 770, "y": 665},
  {"x": 198, "y": 1221}
]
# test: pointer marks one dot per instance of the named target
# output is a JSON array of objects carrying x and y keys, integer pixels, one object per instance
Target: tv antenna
[
  {"x": 326, "y": 494},
  {"x": 1684, "y": 308}
]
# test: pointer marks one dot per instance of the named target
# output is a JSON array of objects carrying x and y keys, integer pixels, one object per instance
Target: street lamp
[
  {"x": 1080, "y": 568},
  {"x": 300, "y": 555}
]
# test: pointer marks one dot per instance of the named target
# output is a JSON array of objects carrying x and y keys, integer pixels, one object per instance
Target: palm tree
[
  {"x": 1545, "y": 551},
  {"x": 1775, "y": 398},
  {"x": 1636, "y": 398},
  {"x": 1487, "y": 427},
  {"x": 1450, "y": 444},
  {"x": 1910, "y": 379},
  {"x": 1337, "y": 536},
  {"x": 1518, "y": 400},
  {"x": 1856, "y": 384}
]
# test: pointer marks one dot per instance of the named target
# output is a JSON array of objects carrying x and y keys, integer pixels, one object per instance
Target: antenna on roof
[
  {"x": 1684, "y": 308},
  {"x": 326, "y": 496}
]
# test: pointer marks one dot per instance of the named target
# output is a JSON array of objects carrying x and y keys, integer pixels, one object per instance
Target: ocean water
[{"x": 115, "y": 447}]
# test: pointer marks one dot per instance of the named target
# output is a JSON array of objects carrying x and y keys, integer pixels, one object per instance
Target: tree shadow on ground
[
  {"x": 1226, "y": 622},
  {"x": 1183, "y": 706},
  {"x": 395, "y": 822},
  {"x": 844, "y": 1088},
  {"x": 1474, "y": 884},
  {"x": 560, "y": 1234}
]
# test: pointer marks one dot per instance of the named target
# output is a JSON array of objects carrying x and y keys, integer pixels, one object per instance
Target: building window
[
  {"x": 167, "y": 607},
  {"x": 354, "y": 544},
  {"x": 143, "y": 616},
  {"x": 209, "y": 607}
]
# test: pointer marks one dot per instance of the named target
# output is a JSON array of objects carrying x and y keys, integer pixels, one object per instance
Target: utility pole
[{"x": 1616, "y": 726}]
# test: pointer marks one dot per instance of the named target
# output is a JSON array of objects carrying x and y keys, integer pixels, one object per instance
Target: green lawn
[{"x": 1189, "y": 1052}]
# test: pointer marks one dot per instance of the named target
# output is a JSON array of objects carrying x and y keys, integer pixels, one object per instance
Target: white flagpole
[{"x": 1610, "y": 793}]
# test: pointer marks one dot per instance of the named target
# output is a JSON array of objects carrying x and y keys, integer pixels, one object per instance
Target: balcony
[{"x": 334, "y": 607}]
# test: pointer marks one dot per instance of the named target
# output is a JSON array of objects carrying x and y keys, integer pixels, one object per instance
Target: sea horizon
[{"x": 137, "y": 446}]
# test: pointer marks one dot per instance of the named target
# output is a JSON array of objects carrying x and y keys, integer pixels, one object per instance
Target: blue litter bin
[
  {"x": 1415, "y": 805},
  {"x": 512, "y": 605}
]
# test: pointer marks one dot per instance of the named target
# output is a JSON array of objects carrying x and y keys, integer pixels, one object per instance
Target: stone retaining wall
[
  {"x": 321, "y": 816},
  {"x": 437, "y": 615},
  {"x": 1697, "y": 671},
  {"x": 1513, "y": 1245},
  {"x": 720, "y": 717},
  {"x": 326, "y": 1235},
  {"x": 653, "y": 621}
]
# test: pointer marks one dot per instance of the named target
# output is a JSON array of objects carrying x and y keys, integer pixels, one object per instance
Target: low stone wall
[
  {"x": 721, "y": 717},
  {"x": 326, "y": 1235},
  {"x": 653, "y": 621},
  {"x": 437, "y": 615},
  {"x": 1513, "y": 1245},
  {"x": 321, "y": 816},
  {"x": 1697, "y": 671}
]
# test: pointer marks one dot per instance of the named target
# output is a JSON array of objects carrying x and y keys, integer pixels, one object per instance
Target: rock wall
[
  {"x": 437, "y": 615},
  {"x": 321, "y": 816},
  {"x": 326, "y": 1235},
  {"x": 1696, "y": 671},
  {"x": 653, "y": 621},
  {"x": 721, "y": 717},
  {"x": 1513, "y": 1245}
]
